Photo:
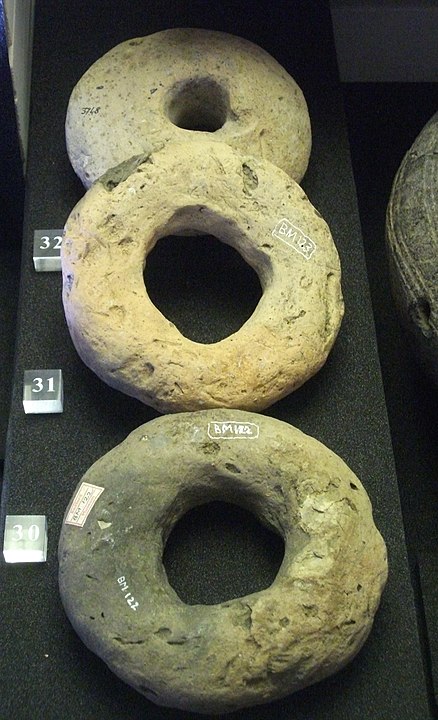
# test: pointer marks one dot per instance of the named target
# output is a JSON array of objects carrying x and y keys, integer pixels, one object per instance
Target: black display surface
[
  {"x": 378, "y": 145},
  {"x": 11, "y": 219},
  {"x": 45, "y": 671}
]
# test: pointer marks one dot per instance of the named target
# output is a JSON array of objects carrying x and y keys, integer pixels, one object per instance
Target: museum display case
[{"x": 45, "y": 669}]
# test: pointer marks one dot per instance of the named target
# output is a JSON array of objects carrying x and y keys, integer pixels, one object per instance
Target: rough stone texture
[
  {"x": 200, "y": 188},
  {"x": 412, "y": 241},
  {"x": 185, "y": 84},
  {"x": 308, "y": 624}
]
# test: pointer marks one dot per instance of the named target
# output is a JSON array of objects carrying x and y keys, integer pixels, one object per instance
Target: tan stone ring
[
  {"x": 195, "y": 188},
  {"x": 182, "y": 84},
  {"x": 308, "y": 624}
]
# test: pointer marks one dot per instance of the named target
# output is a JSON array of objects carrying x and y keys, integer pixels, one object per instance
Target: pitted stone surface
[
  {"x": 412, "y": 241},
  {"x": 197, "y": 188},
  {"x": 183, "y": 84},
  {"x": 308, "y": 624}
]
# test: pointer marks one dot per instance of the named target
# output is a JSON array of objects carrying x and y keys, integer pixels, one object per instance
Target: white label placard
[
  {"x": 82, "y": 504},
  {"x": 47, "y": 250},
  {"x": 25, "y": 538},
  {"x": 43, "y": 391}
]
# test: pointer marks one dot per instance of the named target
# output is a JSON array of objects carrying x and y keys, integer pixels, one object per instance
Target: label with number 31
[{"x": 43, "y": 391}]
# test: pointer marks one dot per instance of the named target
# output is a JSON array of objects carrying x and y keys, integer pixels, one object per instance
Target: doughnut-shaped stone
[
  {"x": 309, "y": 623},
  {"x": 182, "y": 84},
  {"x": 191, "y": 188},
  {"x": 412, "y": 242}
]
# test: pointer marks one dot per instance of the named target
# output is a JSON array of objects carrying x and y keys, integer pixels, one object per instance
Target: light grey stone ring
[
  {"x": 186, "y": 84},
  {"x": 308, "y": 624},
  {"x": 189, "y": 189}
]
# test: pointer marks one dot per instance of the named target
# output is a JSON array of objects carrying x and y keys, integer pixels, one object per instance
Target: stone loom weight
[
  {"x": 181, "y": 85},
  {"x": 248, "y": 203},
  {"x": 309, "y": 623}
]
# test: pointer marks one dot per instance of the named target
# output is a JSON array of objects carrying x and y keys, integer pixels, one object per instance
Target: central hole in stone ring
[
  {"x": 200, "y": 104},
  {"x": 219, "y": 551},
  {"x": 202, "y": 285}
]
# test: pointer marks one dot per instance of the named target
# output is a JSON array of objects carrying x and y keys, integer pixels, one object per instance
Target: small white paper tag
[{"x": 82, "y": 504}]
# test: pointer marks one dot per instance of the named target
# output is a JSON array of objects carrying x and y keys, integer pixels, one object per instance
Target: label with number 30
[{"x": 25, "y": 538}]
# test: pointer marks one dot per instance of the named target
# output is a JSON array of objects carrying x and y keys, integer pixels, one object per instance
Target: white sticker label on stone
[
  {"x": 82, "y": 504},
  {"x": 229, "y": 430},
  {"x": 294, "y": 237}
]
